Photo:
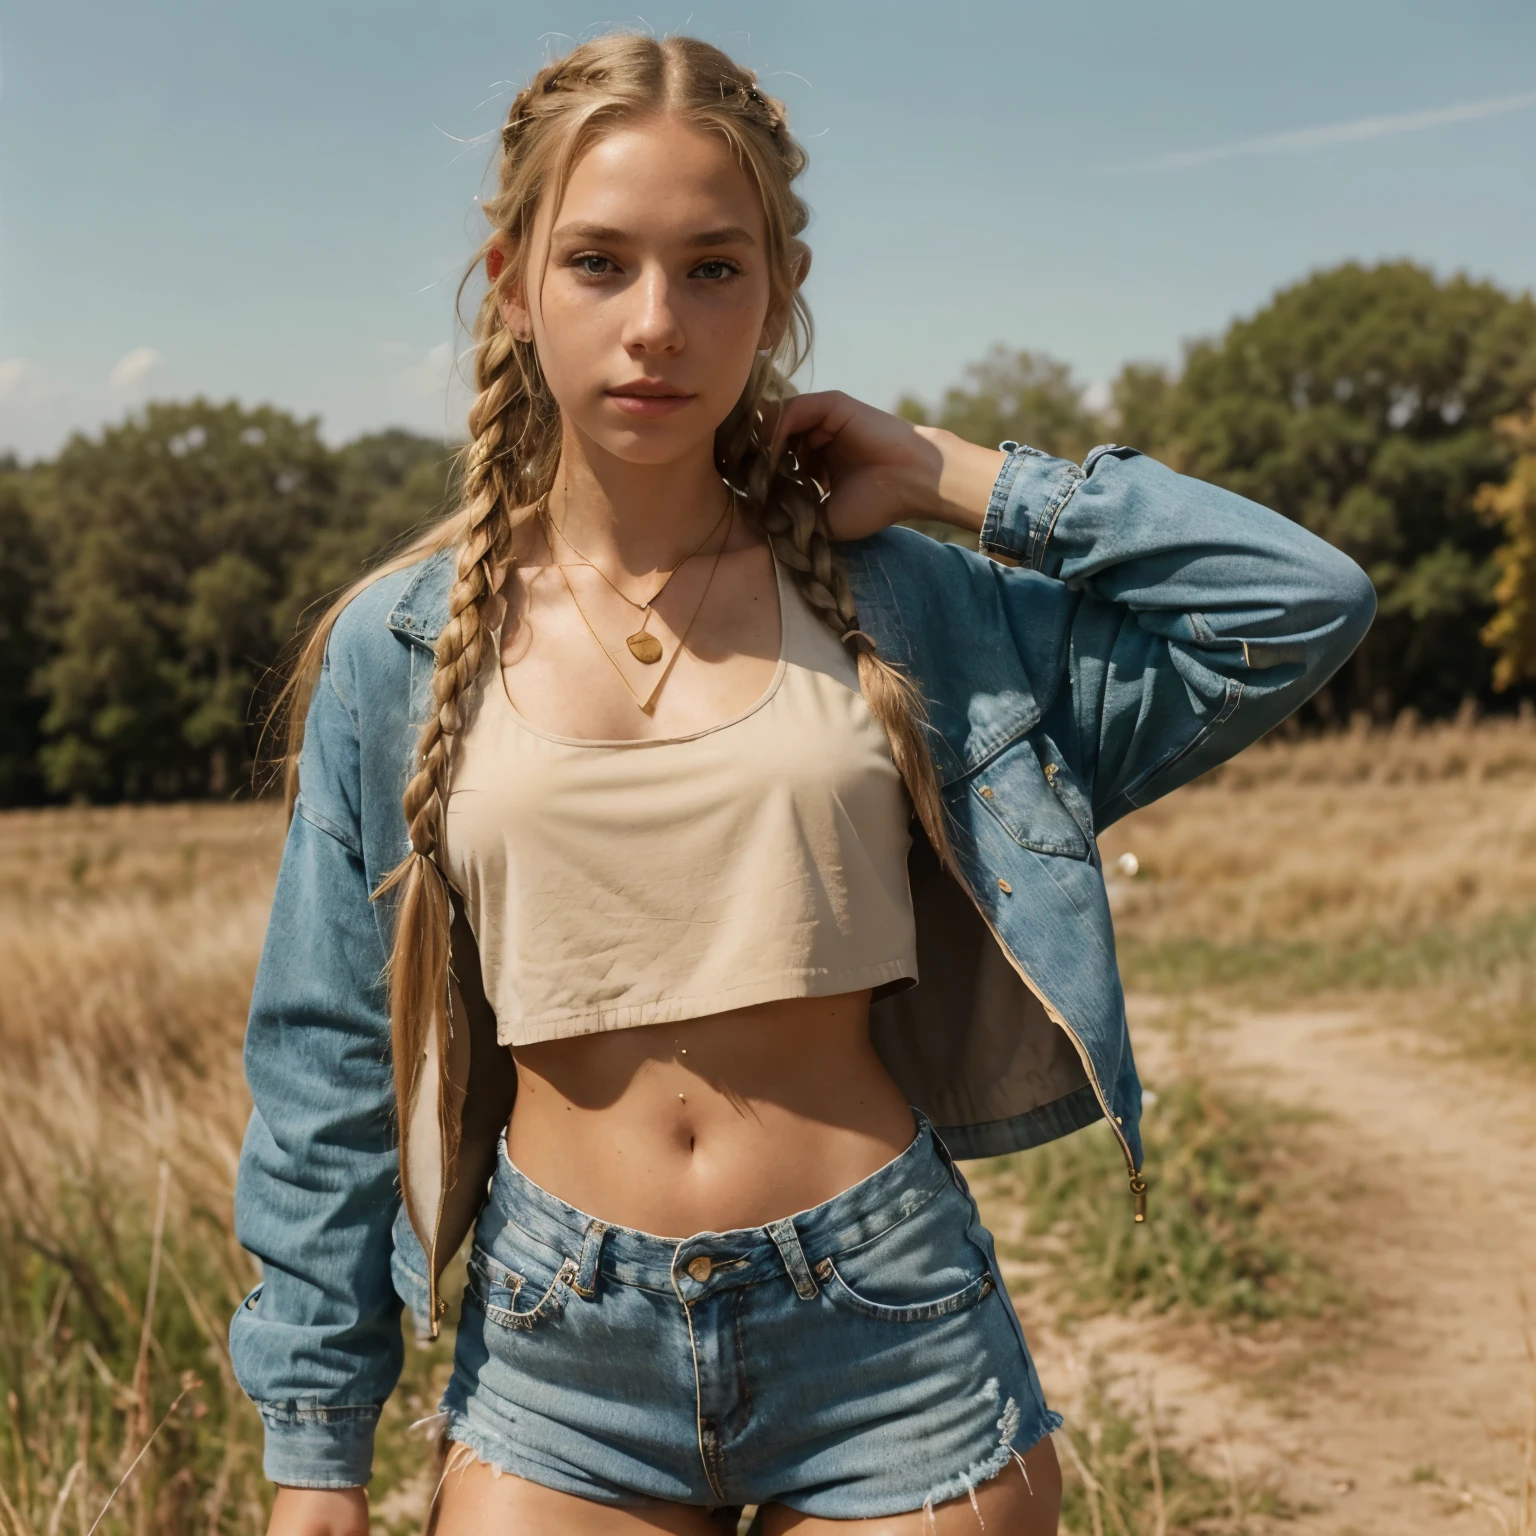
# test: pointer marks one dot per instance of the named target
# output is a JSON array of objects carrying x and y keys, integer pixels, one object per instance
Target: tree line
[{"x": 153, "y": 575}]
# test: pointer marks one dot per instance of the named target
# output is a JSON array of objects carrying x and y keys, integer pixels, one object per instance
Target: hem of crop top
[{"x": 674, "y": 1010}]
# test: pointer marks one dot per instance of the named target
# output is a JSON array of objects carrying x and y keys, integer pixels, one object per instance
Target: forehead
[{"x": 661, "y": 179}]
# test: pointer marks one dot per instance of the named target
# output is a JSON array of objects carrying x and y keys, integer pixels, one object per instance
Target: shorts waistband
[{"x": 741, "y": 1256}]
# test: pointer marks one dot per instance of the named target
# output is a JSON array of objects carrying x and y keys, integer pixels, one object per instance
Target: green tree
[
  {"x": 185, "y": 544},
  {"x": 389, "y": 486},
  {"x": 173, "y": 538},
  {"x": 1141, "y": 402},
  {"x": 1025, "y": 396},
  {"x": 23, "y": 574},
  {"x": 1361, "y": 402}
]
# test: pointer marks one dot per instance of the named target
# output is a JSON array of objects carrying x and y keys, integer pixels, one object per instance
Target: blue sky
[{"x": 274, "y": 200}]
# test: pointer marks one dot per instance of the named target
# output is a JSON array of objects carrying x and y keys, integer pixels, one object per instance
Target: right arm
[{"x": 317, "y": 1345}]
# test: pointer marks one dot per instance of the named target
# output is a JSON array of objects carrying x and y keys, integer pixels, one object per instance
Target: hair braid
[
  {"x": 419, "y": 960},
  {"x": 786, "y": 505}
]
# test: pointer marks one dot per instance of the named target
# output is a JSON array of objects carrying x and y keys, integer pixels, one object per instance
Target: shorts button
[{"x": 700, "y": 1267}]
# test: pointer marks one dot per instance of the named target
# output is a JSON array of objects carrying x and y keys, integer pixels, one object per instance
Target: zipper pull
[{"x": 1139, "y": 1194}]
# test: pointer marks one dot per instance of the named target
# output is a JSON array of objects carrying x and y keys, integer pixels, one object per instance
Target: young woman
[{"x": 670, "y": 764}]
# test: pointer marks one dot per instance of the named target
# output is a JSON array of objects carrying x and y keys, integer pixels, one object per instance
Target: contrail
[{"x": 1335, "y": 133}]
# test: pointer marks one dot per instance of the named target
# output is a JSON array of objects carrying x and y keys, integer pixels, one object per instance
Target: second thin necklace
[
  {"x": 643, "y": 645},
  {"x": 645, "y": 702}
]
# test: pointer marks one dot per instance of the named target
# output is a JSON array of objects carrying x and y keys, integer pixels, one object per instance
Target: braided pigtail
[
  {"x": 786, "y": 505},
  {"x": 418, "y": 965}
]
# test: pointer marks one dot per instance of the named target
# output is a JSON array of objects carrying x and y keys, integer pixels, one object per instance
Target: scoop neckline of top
[{"x": 762, "y": 700}]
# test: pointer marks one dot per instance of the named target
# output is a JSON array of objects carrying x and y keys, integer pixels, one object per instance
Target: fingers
[{"x": 818, "y": 418}]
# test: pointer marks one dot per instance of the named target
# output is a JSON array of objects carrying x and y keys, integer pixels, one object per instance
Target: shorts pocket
[
  {"x": 517, "y": 1300},
  {"x": 908, "y": 1312},
  {"x": 925, "y": 1267}
]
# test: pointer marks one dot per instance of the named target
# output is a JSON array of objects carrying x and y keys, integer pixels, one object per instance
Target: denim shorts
[{"x": 855, "y": 1360}]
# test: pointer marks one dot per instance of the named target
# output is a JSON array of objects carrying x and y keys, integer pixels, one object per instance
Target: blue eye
[
  {"x": 593, "y": 266},
  {"x": 716, "y": 268}
]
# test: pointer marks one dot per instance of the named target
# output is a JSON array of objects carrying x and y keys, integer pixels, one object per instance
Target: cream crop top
[{"x": 617, "y": 884}]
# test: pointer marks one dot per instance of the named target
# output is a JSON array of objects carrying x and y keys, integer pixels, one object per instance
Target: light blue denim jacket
[{"x": 1124, "y": 629}]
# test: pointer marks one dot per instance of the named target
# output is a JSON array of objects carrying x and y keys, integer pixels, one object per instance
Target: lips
[{"x": 648, "y": 398}]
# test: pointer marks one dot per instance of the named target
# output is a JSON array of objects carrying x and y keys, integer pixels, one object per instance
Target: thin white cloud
[
  {"x": 14, "y": 376},
  {"x": 1336, "y": 133},
  {"x": 133, "y": 369}
]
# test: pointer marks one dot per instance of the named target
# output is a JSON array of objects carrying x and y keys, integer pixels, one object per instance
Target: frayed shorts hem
[{"x": 503, "y": 1458}]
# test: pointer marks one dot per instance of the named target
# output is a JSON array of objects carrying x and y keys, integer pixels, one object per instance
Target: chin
[{"x": 655, "y": 442}]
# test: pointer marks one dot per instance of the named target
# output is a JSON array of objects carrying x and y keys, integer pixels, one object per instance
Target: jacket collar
[{"x": 422, "y": 608}]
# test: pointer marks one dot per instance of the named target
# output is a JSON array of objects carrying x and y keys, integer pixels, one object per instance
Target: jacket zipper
[{"x": 1138, "y": 1185}]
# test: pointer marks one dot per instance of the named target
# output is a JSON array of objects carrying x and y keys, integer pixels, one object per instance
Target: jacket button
[
  {"x": 700, "y": 1267},
  {"x": 1004, "y": 887},
  {"x": 985, "y": 791}
]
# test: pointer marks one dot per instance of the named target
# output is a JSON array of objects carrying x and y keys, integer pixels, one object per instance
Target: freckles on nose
[{"x": 654, "y": 317}]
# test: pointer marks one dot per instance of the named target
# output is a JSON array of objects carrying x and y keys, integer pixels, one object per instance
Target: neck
[{"x": 637, "y": 517}]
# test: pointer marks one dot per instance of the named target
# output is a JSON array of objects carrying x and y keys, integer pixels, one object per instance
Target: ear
[
  {"x": 773, "y": 326},
  {"x": 514, "y": 313}
]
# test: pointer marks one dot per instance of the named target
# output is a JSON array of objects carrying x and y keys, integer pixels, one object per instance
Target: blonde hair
[{"x": 513, "y": 454}]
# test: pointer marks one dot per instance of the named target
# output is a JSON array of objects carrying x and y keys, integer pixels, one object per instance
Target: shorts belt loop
[
  {"x": 788, "y": 1241},
  {"x": 948, "y": 1159},
  {"x": 585, "y": 1281}
]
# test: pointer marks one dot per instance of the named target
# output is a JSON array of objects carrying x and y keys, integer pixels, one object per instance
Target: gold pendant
[{"x": 644, "y": 647}]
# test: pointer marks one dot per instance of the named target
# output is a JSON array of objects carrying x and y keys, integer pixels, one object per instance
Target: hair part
[{"x": 513, "y": 455}]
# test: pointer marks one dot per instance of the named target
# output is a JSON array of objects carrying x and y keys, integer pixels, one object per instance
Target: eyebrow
[{"x": 730, "y": 234}]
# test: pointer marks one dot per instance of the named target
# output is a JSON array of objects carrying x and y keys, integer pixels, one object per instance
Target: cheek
[{"x": 730, "y": 327}]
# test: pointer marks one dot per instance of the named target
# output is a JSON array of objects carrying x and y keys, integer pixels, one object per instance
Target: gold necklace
[
  {"x": 643, "y": 645},
  {"x": 645, "y": 705}
]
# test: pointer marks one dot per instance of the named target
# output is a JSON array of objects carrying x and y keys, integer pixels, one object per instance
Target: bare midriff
[{"x": 732, "y": 1120}]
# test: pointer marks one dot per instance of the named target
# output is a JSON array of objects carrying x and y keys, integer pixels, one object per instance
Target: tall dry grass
[
  {"x": 128, "y": 942},
  {"x": 1394, "y": 864}
]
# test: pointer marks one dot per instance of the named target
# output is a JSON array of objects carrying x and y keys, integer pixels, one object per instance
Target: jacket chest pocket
[{"x": 1029, "y": 797}]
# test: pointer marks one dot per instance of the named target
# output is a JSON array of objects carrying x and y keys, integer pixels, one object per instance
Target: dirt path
[{"x": 1422, "y": 1428}]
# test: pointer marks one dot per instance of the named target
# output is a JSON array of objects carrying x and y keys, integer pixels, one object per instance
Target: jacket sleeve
[
  {"x": 1203, "y": 619},
  {"x": 318, "y": 1344}
]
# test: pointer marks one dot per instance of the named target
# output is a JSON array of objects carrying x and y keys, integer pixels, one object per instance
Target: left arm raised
[
  {"x": 1200, "y": 621},
  {"x": 1203, "y": 618}
]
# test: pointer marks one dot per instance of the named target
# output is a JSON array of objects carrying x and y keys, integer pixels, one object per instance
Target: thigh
[
  {"x": 1019, "y": 1501},
  {"x": 476, "y": 1500}
]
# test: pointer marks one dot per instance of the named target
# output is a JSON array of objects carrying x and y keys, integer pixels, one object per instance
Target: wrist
[{"x": 960, "y": 493}]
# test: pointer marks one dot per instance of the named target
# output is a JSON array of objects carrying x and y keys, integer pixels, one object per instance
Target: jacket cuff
[
  {"x": 315, "y": 1445},
  {"x": 1028, "y": 495}
]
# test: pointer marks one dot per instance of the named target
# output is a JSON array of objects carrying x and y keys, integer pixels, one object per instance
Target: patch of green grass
[
  {"x": 1221, "y": 1238},
  {"x": 1481, "y": 980}
]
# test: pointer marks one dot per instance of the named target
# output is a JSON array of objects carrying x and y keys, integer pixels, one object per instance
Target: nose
[{"x": 653, "y": 324}]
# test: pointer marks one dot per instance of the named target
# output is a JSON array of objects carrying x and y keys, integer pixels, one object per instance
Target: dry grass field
[{"x": 1369, "y": 882}]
